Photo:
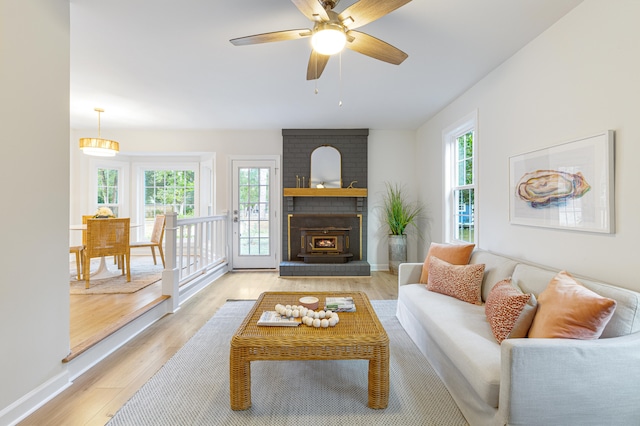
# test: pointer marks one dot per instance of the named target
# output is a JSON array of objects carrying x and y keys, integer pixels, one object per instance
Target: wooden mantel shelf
[{"x": 325, "y": 192}]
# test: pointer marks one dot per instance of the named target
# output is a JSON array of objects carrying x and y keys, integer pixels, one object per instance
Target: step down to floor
[{"x": 93, "y": 340}]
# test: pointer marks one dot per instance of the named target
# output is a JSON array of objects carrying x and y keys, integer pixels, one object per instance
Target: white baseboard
[
  {"x": 189, "y": 290},
  {"x": 379, "y": 267},
  {"x": 35, "y": 399}
]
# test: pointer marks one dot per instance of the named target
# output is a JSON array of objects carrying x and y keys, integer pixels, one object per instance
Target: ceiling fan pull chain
[
  {"x": 340, "y": 78},
  {"x": 316, "y": 80}
]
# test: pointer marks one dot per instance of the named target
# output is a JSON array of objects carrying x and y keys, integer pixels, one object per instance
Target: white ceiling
[{"x": 168, "y": 64}]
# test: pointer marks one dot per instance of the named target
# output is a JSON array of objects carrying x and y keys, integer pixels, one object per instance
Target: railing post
[{"x": 170, "y": 279}]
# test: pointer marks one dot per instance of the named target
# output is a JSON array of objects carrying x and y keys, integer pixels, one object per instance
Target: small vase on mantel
[{"x": 397, "y": 252}]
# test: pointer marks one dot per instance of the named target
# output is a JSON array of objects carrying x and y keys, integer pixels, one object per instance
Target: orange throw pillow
[
  {"x": 456, "y": 254},
  {"x": 567, "y": 309},
  {"x": 509, "y": 311},
  {"x": 460, "y": 281}
]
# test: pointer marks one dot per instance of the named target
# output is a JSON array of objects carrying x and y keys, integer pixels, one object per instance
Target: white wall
[
  {"x": 34, "y": 169},
  {"x": 389, "y": 162},
  {"x": 578, "y": 78}
]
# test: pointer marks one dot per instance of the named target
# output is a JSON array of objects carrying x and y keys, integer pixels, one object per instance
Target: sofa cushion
[
  {"x": 460, "y": 281},
  {"x": 509, "y": 311},
  {"x": 456, "y": 254},
  {"x": 626, "y": 317},
  {"x": 567, "y": 309},
  {"x": 462, "y": 333},
  {"x": 496, "y": 269}
]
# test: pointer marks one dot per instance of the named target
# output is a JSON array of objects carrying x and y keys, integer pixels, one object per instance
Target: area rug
[
  {"x": 192, "y": 388},
  {"x": 143, "y": 274}
]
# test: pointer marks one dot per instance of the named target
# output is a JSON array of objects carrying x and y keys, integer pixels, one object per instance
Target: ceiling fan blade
[
  {"x": 317, "y": 62},
  {"x": 375, "y": 48},
  {"x": 270, "y": 37},
  {"x": 365, "y": 11},
  {"x": 312, "y": 9}
]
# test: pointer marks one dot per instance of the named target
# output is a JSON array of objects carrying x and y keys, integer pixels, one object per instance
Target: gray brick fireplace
[{"x": 342, "y": 211}]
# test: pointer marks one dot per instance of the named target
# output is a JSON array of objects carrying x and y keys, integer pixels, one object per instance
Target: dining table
[{"x": 103, "y": 271}]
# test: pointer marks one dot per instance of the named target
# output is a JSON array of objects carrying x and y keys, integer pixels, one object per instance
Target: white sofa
[{"x": 525, "y": 381}]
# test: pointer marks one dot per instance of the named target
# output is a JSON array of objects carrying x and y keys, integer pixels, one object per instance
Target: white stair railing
[{"x": 194, "y": 249}]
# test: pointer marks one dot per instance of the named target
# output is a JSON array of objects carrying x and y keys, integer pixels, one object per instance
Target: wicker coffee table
[{"x": 358, "y": 335}]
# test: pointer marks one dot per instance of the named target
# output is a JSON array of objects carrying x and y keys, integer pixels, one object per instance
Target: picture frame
[{"x": 567, "y": 186}]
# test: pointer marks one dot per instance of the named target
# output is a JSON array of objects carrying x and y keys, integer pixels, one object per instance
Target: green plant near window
[{"x": 398, "y": 212}]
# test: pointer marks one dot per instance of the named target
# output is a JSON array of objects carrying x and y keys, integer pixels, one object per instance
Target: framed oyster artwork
[{"x": 567, "y": 186}]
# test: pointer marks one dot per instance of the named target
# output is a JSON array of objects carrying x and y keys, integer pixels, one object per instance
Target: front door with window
[{"x": 254, "y": 214}]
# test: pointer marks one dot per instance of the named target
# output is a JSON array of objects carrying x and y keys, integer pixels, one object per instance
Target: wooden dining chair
[
  {"x": 157, "y": 236},
  {"x": 107, "y": 237},
  {"x": 85, "y": 218},
  {"x": 79, "y": 252}
]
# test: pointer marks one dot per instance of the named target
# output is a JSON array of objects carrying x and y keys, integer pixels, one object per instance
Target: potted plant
[{"x": 398, "y": 214}]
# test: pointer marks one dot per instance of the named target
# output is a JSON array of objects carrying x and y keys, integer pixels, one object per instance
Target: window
[
  {"x": 254, "y": 217},
  {"x": 107, "y": 189},
  {"x": 461, "y": 186},
  {"x": 168, "y": 191}
]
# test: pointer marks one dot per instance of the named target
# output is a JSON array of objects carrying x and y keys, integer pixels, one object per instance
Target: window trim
[{"x": 450, "y": 134}]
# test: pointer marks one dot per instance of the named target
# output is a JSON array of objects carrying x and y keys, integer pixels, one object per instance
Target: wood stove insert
[{"x": 325, "y": 245}]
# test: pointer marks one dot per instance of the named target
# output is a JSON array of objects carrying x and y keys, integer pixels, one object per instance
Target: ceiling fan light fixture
[
  {"x": 97, "y": 146},
  {"x": 328, "y": 38}
]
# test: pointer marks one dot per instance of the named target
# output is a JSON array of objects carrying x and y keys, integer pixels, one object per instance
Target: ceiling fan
[{"x": 336, "y": 26}]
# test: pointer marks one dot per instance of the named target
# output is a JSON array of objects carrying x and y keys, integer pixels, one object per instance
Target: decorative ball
[
  {"x": 295, "y": 313},
  {"x": 316, "y": 322},
  {"x": 324, "y": 323},
  {"x": 316, "y": 315},
  {"x": 332, "y": 322},
  {"x": 288, "y": 312},
  {"x": 321, "y": 314},
  {"x": 288, "y": 306},
  {"x": 336, "y": 317}
]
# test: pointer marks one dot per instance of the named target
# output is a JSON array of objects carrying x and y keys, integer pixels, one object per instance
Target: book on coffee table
[
  {"x": 274, "y": 319},
  {"x": 340, "y": 304}
]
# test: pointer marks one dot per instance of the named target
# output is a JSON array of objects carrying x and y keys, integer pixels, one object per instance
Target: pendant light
[{"x": 98, "y": 146}]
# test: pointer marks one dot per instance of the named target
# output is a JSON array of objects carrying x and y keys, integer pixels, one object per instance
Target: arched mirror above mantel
[{"x": 326, "y": 168}]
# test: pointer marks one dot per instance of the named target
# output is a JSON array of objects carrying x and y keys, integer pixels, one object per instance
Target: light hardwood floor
[{"x": 98, "y": 394}]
